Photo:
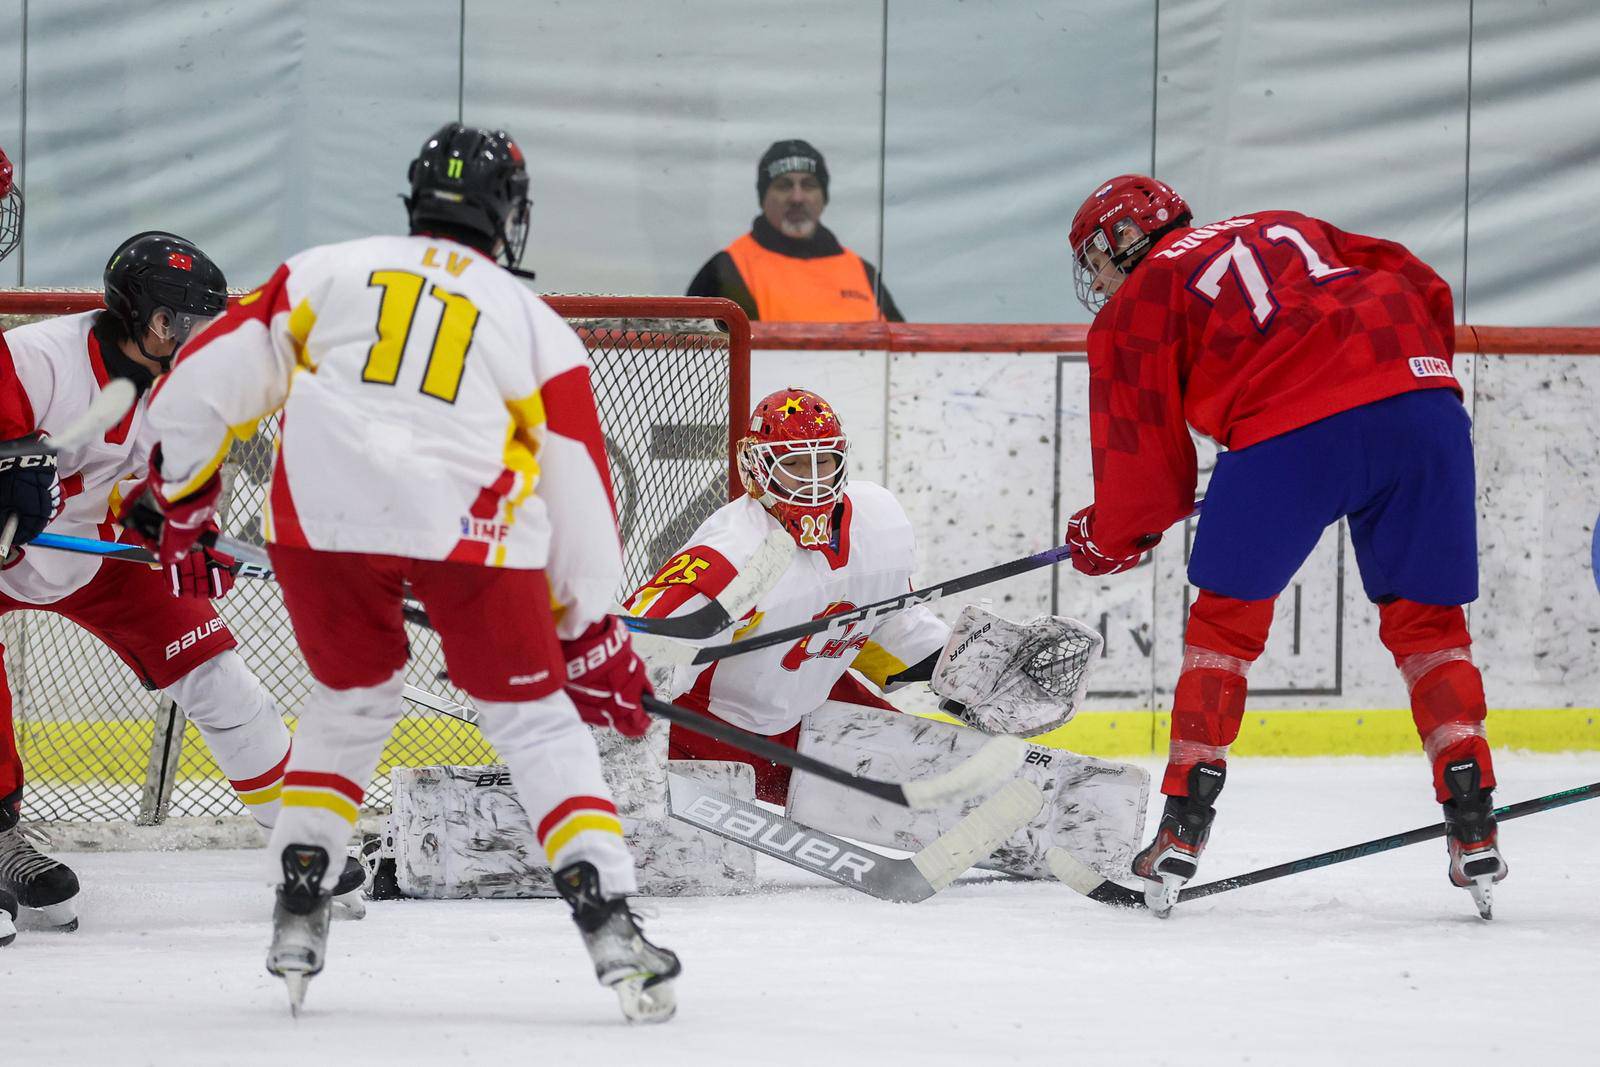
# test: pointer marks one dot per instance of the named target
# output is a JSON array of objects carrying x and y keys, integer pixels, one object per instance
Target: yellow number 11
[{"x": 447, "y": 358}]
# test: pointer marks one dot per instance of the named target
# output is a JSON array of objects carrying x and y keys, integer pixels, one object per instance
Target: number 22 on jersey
[
  {"x": 1240, "y": 260},
  {"x": 447, "y": 356}
]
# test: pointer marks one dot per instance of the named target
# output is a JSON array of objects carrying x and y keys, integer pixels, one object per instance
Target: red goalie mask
[{"x": 794, "y": 461}]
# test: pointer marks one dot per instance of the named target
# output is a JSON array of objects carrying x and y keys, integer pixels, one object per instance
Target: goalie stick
[
  {"x": 1079, "y": 876},
  {"x": 104, "y": 412},
  {"x": 684, "y": 655},
  {"x": 915, "y": 878},
  {"x": 996, "y": 761},
  {"x": 905, "y": 881}
]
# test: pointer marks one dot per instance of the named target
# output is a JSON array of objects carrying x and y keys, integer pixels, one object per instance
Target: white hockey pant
[{"x": 242, "y": 726}]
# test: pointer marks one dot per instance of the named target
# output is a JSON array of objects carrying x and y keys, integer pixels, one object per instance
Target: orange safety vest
[{"x": 785, "y": 289}]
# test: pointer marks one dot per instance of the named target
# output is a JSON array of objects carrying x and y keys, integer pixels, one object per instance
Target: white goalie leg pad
[
  {"x": 461, "y": 832},
  {"x": 1093, "y": 807},
  {"x": 1015, "y": 678}
]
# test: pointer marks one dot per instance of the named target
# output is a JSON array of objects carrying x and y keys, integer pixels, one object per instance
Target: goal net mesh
[{"x": 93, "y": 744}]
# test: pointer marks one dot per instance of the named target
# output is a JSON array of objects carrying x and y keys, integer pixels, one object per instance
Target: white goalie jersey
[
  {"x": 768, "y": 691},
  {"x": 424, "y": 355}
]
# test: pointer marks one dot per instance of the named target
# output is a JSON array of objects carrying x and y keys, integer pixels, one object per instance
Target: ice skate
[
  {"x": 8, "y": 917},
  {"x": 641, "y": 973},
  {"x": 300, "y": 922},
  {"x": 1168, "y": 862},
  {"x": 1475, "y": 860},
  {"x": 37, "y": 881}
]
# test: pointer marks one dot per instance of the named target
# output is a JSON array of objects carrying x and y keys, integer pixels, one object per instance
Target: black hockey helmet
[
  {"x": 155, "y": 272},
  {"x": 475, "y": 180}
]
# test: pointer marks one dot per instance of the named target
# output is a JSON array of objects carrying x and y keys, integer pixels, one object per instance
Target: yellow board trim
[
  {"x": 1330, "y": 732},
  {"x": 297, "y": 797},
  {"x": 562, "y": 835}
]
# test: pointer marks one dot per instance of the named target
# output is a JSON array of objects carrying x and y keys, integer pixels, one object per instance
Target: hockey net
[{"x": 671, "y": 377}]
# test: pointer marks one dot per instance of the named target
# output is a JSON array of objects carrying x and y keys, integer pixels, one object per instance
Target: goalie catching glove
[
  {"x": 1012, "y": 678},
  {"x": 606, "y": 679},
  {"x": 172, "y": 529}
]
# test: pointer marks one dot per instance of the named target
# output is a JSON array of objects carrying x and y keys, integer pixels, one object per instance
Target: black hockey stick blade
[
  {"x": 997, "y": 761},
  {"x": 104, "y": 412},
  {"x": 1079, "y": 876},
  {"x": 754, "y": 580},
  {"x": 789, "y": 634}
]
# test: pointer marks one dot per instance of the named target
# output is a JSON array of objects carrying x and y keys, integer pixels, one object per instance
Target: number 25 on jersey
[{"x": 447, "y": 356}]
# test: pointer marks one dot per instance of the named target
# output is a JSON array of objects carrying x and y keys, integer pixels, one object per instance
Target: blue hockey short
[{"x": 1400, "y": 469}]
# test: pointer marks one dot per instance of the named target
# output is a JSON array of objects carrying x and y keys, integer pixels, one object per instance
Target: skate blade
[
  {"x": 59, "y": 918},
  {"x": 297, "y": 983},
  {"x": 1160, "y": 896},
  {"x": 349, "y": 907},
  {"x": 646, "y": 1004},
  {"x": 1482, "y": 890}
]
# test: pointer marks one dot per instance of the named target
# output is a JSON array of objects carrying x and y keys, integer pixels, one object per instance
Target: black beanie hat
[{"x": 785, "y": 156}]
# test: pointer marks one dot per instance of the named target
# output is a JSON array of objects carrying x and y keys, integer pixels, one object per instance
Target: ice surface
[{"x": 1376, "y": 961}]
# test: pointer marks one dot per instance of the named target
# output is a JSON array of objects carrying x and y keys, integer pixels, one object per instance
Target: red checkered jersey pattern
[{"x": 1246, "y": 329}]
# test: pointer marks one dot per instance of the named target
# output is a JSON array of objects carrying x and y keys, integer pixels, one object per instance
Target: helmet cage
[
  {"x": 10, "y": 220},
  {"x": 790, "y": 472}
]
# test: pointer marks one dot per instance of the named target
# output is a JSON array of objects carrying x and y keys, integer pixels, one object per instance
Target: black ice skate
[
  {"x": 8, "y": 917},
  {"x": 1168, "y": 862},
  {"x": 641, "y": 973},
  {"x": 1475, "y": 860},
  {"x": 347, "y": 900},
  {"x": 36, "y": 880},
  {"x": 300, "y": 921}
]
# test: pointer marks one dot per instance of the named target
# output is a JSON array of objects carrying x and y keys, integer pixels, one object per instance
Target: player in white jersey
[
  {"x": 859, "y": 549},
  {"x": 10, "y": 237},
  {"x": 438, "y": 429},
  {"x": 162, "y": 624}
]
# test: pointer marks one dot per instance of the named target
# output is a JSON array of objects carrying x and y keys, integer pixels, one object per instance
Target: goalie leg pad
[
  {"x": 462, "y": 832},
  {"x": 1093, "y": 807}
]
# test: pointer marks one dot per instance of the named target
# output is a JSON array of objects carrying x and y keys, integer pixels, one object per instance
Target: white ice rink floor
[{"x": 1376, "y": 961}]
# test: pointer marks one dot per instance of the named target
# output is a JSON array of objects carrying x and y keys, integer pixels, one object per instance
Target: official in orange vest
[{"x": 790, "y": 267}]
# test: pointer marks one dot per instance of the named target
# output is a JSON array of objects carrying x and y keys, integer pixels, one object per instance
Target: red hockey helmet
[
  {"x": 794, "y": 461},
  {"x": 1114, "y": 229},
  {"x": 10, "y": 208}
]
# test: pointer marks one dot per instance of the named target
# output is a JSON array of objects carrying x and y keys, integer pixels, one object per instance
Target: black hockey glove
[{"x": 29, "y": 490}]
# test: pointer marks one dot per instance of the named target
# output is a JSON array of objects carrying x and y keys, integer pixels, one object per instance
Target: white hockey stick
[
  {"x": 905, "y": 881},
  {"x": 105, "y": 411}
]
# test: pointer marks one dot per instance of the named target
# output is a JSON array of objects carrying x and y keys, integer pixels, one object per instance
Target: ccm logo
[
  {"x": 26, "y": 462},
  {"x": 195, "y": 636},
  {"x": 805, "y": 847}
]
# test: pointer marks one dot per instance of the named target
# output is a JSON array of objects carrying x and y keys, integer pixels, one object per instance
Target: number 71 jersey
[
  {"x": 1246, "y": 329},
  {"x": 433, "y": 408}
]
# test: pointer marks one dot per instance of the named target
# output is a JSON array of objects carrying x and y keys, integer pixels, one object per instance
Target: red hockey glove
[
  {"x": 204, "y": 573},
  {"x": 177, "y": 524},
  {"x": 605, "y": 678},
  {"x": 1093, "y": 559}
]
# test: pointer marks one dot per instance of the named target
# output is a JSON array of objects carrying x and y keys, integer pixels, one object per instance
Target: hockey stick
[
  {"x": 915, "y": 878},
  {"x": 104, "y": 412},
  {"x": 683, "y": 655},
  {"x": 759, "y": 574},
  {"x": 248, "y": 560},
  {"x": 996, "y": 761},
  {"x": 1077, "y": 874}
]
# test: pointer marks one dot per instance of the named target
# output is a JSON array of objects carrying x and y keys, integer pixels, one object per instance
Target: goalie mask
[
  {"x": 1114, "y": 229},
  {"x": 794, "y": 463}
]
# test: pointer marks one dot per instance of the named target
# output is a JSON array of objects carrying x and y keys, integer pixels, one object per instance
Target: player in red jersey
[{"x": 1321, "y": 361}]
